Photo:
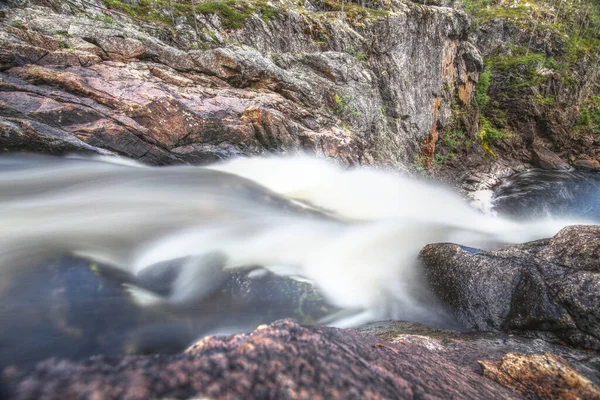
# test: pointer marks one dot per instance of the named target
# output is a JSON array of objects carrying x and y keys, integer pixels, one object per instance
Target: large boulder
[
  {"x": 284, "y": 360},
  {"x": 548, "y": 287},
  {"x": 291, "y": 361}
]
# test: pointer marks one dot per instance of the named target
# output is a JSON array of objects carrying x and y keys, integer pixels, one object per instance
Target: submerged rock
[
  {"x": 70, "y": 309},
  {"x": 549, "y": 287}
]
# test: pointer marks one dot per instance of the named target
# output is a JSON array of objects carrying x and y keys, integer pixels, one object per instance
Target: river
[{"x": 101, "y": 256}]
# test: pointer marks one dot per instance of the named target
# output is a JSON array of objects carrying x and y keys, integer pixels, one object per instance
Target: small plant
[
  {"x": 17, "y": 24},
  {"x": 107, "y": 19},
  {"x": 63, "y": 44},
  {"x": 361, "y": 56},
  {"x": 268, "y": 12},
  {"x": 340, "y": 101},
  {"x": 440, "y": 159},
  {"x": 232, "y": 14},
  {"x": 590, "y": 115},
  {"x": 344, "y": 104},
  {"x": 488, "y": 134},
  {"x": 453, "y": 139},
  {"x": 62, "y": 33}
]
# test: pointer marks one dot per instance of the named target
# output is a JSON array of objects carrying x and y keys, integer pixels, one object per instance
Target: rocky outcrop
[
  {"x": 540, "y": 376},
  {"x": 365, "y": 89},
  {"x": 543, "y": 79},
  {"x": 548, "y": 286},
  {"x": 287, "y": 360}
]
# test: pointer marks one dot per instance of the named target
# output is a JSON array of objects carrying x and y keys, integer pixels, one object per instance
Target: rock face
[
  {"x": 285, "y": 360},
  {"x": 542, "y": 83},
  {"x": 550, "y": 285},
  {"x": 362, "y": 90},
  {"x": 290, "y": 361},
  {"x": 540, "y": 376}
]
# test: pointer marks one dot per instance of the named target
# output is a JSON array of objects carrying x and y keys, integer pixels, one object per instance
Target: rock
[
  {"x": 474, "y": 350},
  {"x": 589, "y": 165},
  {"x": 282, "y": 360},
  {"x": 287, "y": 360},
  {"x": 541, "y": 376},
  {"x": 546, "y": 159},
  {"x": 548, "y": 287},
  {"x": 287, "y": 83}
]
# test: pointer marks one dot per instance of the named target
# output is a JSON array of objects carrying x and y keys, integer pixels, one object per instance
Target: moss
[
  {"x": 344, "y": 105},
  {"x": 17, "y": 24},
  {"x": 519, "y": 69},
  {"x": 148, "y": 10},
  {"x": 512, "y": 61},
  {"x": 481, "y": 90},
  {"x": 232, "y": 14},
  {"x": 544, "y": 100},
  {"x": 488, "y": 135},
  {"x": 589, "y": 117},
  {"x": 453, "y": 139},
  {"x": 440, "y": 159},
  {"x": 268, "y": 12}
]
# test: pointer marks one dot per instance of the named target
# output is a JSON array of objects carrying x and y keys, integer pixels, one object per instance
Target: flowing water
[{"x": 101, "y": 256}]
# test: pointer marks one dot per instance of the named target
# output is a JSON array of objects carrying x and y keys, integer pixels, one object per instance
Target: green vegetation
[
  {"x": 454, "y": 139},
  {"x": 267, "y": 12},
  {"x": 148, "y": 10},
  {"x": 488, "y": 134},
  {"x": 481, "y": 90},
  {"x": 344, "y": 105},
  {"x": 541, "y": 68},
  {"x": 440, "y": 159},
  {"x": 17, "y": 24},
  {"x": 232, "y": 14},
  {"x": 107, "y": 19},
  {"x": 360, "y": 56},
  {"x": 589, "y": 118}
]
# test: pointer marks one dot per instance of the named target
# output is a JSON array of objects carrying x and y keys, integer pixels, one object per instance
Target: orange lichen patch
[
  {"x": 542, "y": 376},
  {"x": 428, "y": 145},
  {"x": 465, "y": 92}
]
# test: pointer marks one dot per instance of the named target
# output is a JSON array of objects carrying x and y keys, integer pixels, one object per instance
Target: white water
[{"x": 360, "y": 252}]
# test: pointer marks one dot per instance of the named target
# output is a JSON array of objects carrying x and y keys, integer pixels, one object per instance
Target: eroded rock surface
[
  {"x": 301, "y": 80},
  {"x": 551, "y": 286},
  {"x": 284, "y": 360},
  {"x": 287, "y": 360}
]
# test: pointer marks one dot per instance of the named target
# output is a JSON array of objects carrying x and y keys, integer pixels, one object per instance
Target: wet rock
[
  {"x": 589, "y": 165},
  {"x": 542, "y": 376},
  {"x": 548, "y": 287},
  {"x": 546, "y": 159},
  {"x": 76, "y": 309},
  {"x": 470, "y": 349},
  {"x": 282, "y": 360}
]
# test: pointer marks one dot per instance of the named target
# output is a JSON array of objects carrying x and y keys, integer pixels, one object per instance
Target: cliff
[{"x": 366, "y": 88}]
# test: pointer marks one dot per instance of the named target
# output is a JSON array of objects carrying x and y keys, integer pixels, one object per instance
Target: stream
[{"x": 101, "y": 256}]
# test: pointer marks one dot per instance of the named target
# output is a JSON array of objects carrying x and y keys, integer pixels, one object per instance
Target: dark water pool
[
  {"x": 540, "y": 193},
  {"x": 66, "y": 308}
]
